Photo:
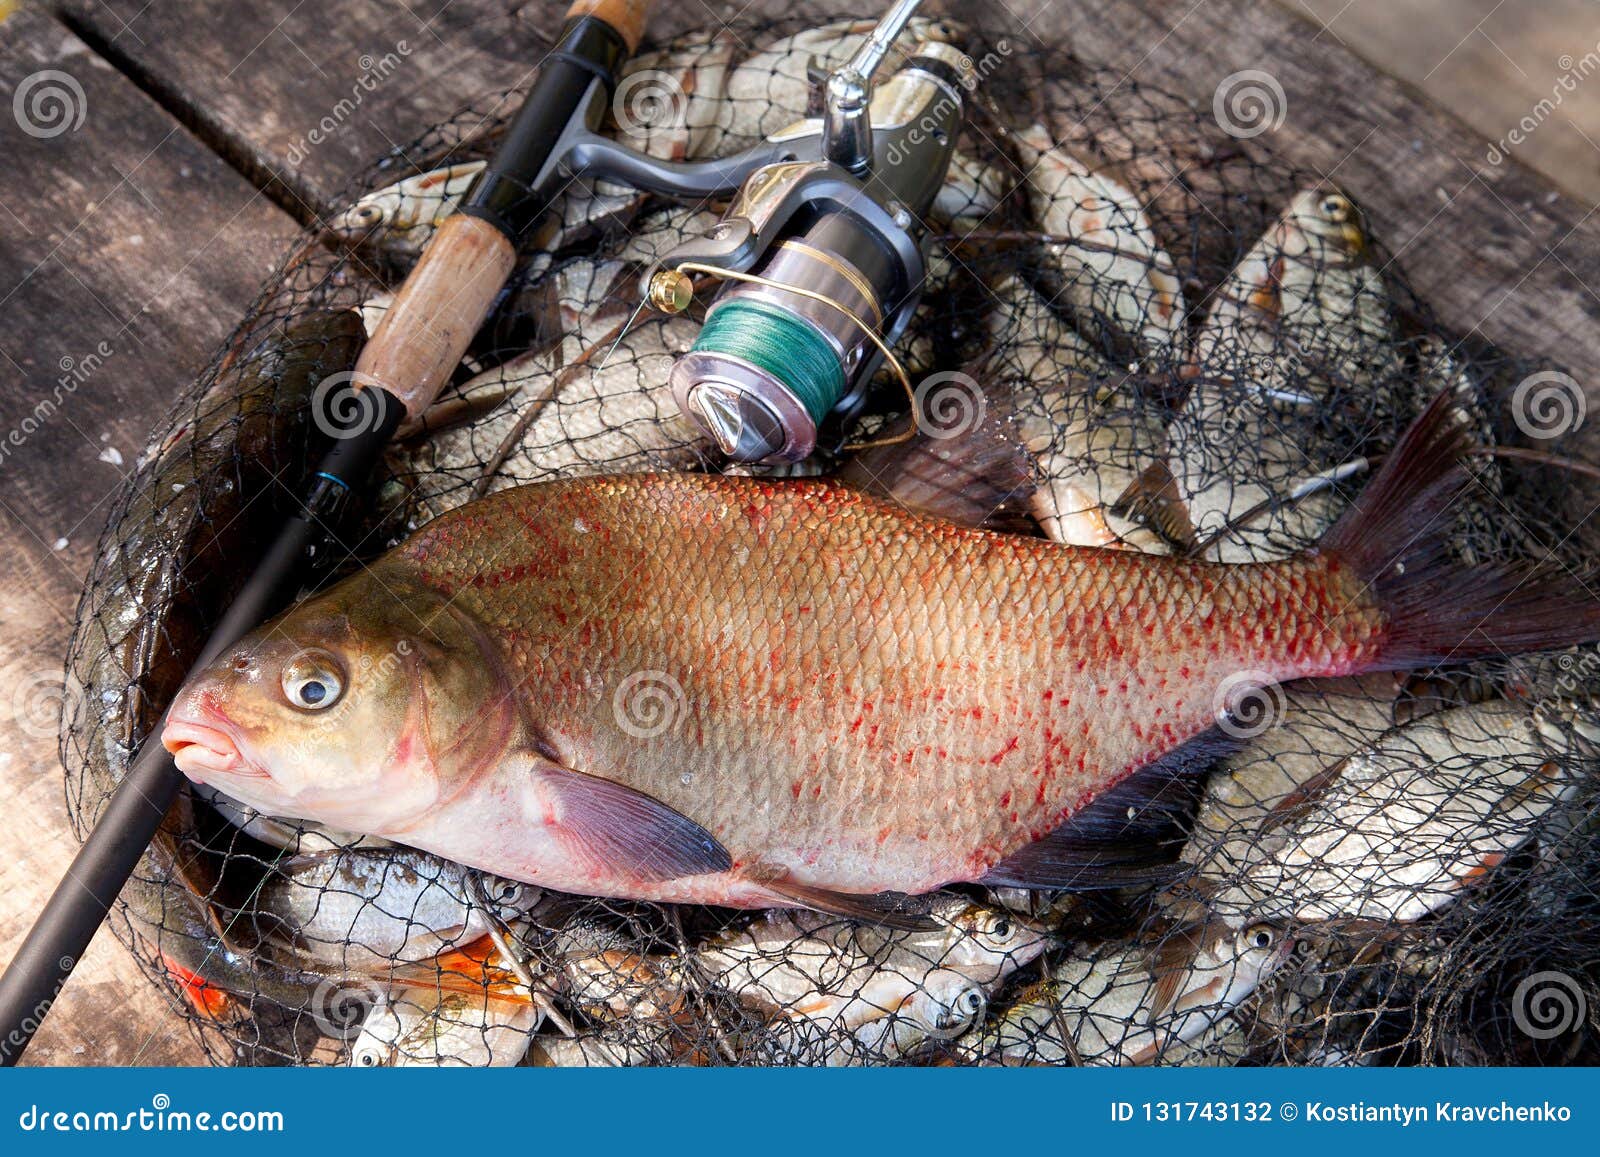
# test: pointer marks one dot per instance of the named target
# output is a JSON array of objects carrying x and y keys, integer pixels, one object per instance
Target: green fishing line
[{"x": 782, "y": 345}]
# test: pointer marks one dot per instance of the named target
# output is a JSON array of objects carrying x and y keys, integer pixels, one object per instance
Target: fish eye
[
  {"x": 1261, "y": 936},
  {"x": 367, "y": 1058},
  {"x": 1337, "y": 209},
  {"x": 312, "y": 681}
]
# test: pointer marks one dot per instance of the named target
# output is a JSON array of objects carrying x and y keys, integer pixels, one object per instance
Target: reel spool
[{"x": 824, "y": 259}]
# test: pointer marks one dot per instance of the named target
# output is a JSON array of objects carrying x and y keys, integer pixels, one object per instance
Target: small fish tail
[{"x": 1394, "y": 541}]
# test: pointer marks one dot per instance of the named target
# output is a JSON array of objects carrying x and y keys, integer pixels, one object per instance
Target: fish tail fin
[{"x": 1394, "y": 541}]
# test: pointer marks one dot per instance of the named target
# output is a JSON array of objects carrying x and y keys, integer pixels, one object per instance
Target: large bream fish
[{"x": 756, "y": 693}]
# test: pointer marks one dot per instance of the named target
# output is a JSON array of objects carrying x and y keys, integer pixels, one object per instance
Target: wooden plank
[
  {"x": 1489, "y": 247},
  {"x": 304, "y": 95},
  {"x": 1495, "y": 250},
  {"x": 128, "y": 252},
  {"x": 1493, "y": 65}
]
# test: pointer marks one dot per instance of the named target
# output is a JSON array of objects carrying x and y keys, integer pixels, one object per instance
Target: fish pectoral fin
[
  {"x": 1169, "y": 964},
  {"x": 613, "y": 828},
  {"x": 884, "y": 908}
]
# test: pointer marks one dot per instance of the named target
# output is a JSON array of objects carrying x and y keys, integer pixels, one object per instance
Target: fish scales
[{"x": 911, "y": 652}]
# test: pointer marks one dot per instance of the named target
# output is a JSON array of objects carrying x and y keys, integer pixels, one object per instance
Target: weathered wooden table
[{"x": 210, "y": 130}]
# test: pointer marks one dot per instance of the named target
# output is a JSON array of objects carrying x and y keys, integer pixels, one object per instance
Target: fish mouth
[{"x": 201, "y": 750}]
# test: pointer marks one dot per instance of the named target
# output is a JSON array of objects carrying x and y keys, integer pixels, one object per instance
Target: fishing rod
[
  {"x": 817, "y": 168},
  {"x": 399, "y": 372}
]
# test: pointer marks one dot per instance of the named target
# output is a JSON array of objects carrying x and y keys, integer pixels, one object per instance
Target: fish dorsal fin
[
  {"x": 962, "y": 462},
  {"x": 609, "y": 827}
]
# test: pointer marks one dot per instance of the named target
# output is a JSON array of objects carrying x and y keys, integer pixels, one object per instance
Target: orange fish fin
[
  {"x": 1394, "y": 540},
  {"x": 613, "y": 828},
  {"x": 1129, "y": 835},
  {"x": 963, "y": 462},
  {"x": 885, "y": 908}
]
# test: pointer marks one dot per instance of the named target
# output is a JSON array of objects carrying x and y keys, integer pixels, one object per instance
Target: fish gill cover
[{"x": 1202, "y": 352}]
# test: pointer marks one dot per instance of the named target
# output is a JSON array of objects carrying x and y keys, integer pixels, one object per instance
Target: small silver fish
[
  {"x": 1309, "y": 727},
  {"x": 1301, "y": 326},
  {"x": 368, "y": 910},
  {"x": 838, "y": 976},
  {"x": 943, "y": 1005},
  {"x": 398, "y": 219},
  {"x": 1111, "y": 264},
  {"x": 1133, "y": 1003},
  {"x": 1400, "y": 828},
  {"x": 1089, "y": 430},
  {"x": 440, "y": 1029}
]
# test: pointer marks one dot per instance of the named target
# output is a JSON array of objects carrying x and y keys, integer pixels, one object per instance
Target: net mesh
[{"x": 1202, "y": 351}]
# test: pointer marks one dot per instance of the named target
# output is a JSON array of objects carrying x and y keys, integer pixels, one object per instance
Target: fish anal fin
[
  {"x": 610, "y": 827},
  {"x": 883, "y": 908},
  {"x": 1129, "y": 835}
]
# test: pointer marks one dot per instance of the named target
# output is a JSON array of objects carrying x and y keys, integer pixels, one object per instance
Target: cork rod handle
[
  {"x": 424, "y": 334},
  {"x": 628, "y": 17}
]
